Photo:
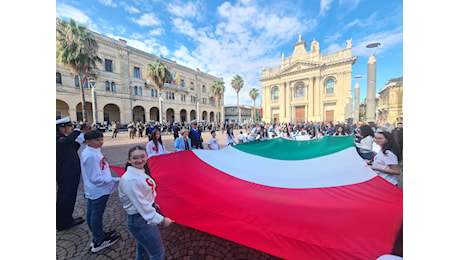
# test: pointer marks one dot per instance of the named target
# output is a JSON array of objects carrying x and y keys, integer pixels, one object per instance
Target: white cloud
[
  {"x": 387, "y": 39},
  {"x": 67, "y": 11},
  {"x": 185, "y": 10},
  {"x": 108, "y": 3},
  {"x": 156, "y": 32},
  {"x": 242, "y": 40},
  {"x": 130, "y": 9},
  {"x": 63, "y": 10},
  {"x": 148, "y": 19},
  {"x": 325, "y": 5}
]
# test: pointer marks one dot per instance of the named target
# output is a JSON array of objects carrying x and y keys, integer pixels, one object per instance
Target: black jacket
[
  {"x": 196, "y": 140},
  {"x": 67, "y": 160}
]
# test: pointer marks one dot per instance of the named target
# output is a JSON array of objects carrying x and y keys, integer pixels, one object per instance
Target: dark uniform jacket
[
  {"x": 195, "y": 138},
  {"x": 67, "y": 160}
]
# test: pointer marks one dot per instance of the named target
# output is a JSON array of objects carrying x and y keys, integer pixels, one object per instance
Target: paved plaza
[{"x": 181, "y": 242}]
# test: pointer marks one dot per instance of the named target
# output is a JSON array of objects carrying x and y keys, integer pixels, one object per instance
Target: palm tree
[
  {"x": 254, "y": 93},
  {"x": 237, "y": 85},
  {"x": 218, "y": 89},
  {"x": 158, "y": 74},
  {"x": 76, "y": 49}
]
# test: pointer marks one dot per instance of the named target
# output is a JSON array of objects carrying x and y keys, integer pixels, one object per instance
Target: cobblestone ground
[{"x": 181, "y": 242}]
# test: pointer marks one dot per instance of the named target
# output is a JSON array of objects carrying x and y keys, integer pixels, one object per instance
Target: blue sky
[{"x": 239, "y": 37}]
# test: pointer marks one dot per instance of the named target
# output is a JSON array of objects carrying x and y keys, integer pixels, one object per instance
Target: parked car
[
  {"x": 122, "y": 127},
  {"x": 102, "y": 128}
]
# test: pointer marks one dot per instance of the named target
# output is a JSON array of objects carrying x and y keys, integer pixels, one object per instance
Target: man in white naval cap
[{"x": 67, "y": 173}]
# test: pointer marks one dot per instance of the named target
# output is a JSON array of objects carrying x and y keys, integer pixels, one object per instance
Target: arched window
[
  {"x": 58, "y": 78},
  {"x": 330, "y": 86},
  {"x": 276, "y": 94},
  {"x": 77, "y": 82},
  {"x": 107, "y": 86},
  {"x": 299, "y": 91},
  {"x": 135, "y": 90},
  {"x": 140, "y": 91},
  {"x": 114, "y": 88}
]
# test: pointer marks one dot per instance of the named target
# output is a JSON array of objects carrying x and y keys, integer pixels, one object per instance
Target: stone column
[
  {"x": 371, "y": 82},
  {"x": 356, "y": 112}
]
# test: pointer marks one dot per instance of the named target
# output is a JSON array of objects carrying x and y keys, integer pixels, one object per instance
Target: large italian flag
[{"x": 311, "y": 199}]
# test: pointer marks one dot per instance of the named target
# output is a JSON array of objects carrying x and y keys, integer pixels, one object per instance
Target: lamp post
[
  {"x": 371, "y": 83},
  {"x": 92, "y": 81},
  {"x": 356, "y": 99}
]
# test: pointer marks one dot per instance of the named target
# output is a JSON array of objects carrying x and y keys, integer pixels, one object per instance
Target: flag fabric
[
  {"x": 313, "y": 199},
  {"x": 83, "y": 81}
]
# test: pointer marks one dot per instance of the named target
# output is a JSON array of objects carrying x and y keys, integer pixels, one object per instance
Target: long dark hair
[
  {"x": 366, "y": 130},
  {"x": 390, "y": 145},
  {"x": 146, "y": 166},
  {"x": 230, "y": 132},
  {"x": 153, "y": 137}
]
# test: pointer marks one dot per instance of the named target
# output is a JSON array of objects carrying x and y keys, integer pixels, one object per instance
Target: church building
[{"x": 309, "y": 86}]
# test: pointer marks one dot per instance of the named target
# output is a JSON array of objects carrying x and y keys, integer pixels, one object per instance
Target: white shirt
[
  {"x": 137, "y": 194},
  {"x": 242, "y": 137},
  {"x": 302, "y": 137},
  {"x": 230, "y": 140},
  {"x": 152, "y": 150},
  {"x": 214, "y": 143},
  {"x": 250, "y": 135},
  {"x": 383, "y": 161},
  {"x": 365, "y": 146},
  {"x": 97, "y": 179}
]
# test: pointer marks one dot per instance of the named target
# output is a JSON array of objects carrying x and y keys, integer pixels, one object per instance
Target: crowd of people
[{"x": 79, "y": 152}]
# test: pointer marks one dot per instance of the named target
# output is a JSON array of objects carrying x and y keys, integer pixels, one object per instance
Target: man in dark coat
[
  {"x": 67, "y": 173},
  {"x": 398, "y": 135},
  {"x": 195, "y": 136}
]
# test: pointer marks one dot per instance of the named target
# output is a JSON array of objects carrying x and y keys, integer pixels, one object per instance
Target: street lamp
[
  {"x": 371, "y": 83},
  {"x": 92, "y": 81}
]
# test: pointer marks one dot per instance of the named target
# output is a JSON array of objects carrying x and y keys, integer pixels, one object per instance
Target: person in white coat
[
  {"x": 98, "y": 185},
  {"x": 155, "y": 145},
  {"x": 137, "y": 195}
]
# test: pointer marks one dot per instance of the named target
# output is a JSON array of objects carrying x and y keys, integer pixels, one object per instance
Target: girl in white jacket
[{"x": 137, "y": 195}]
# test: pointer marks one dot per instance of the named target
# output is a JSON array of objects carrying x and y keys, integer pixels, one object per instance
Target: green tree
[
  {"x": 237, "y": 85},
  {"x": 218, "y": 89},
  {"x": 76, "y": 49},
  {"x": 158, "y": 74},
  {"x": 254, "y": 93}
]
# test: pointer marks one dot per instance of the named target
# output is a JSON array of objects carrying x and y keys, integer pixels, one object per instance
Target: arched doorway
[
  {"x": 204, "y": 115},
  {"x": 89, "y": 112},
  {"x": 111, "y": 113},
  {"x": 138, "y": 114},
  {"x": 62, "y": 109},
  {"x": 192, "y": 115},
  {"x": 154, "y": 114},
  {"x": 211, "y": 117},
  {"x": 170, "y": 115},
  {"x": 183, "y": 115}
]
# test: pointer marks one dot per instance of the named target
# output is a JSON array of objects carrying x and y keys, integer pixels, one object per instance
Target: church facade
[{"x": 309, "y": 86}]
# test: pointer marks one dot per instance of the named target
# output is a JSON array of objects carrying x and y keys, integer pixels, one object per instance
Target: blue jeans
[
  {"x": 149, "y": 242},
  {"x": 94, "y": 212}
]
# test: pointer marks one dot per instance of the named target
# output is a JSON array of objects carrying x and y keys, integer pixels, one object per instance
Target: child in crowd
[
  {"x": 155, "y": 145},
  {"x": 137, "y": 195},
  {"x": 213, "y": 143},
  {"x": 98, "y": 185},
  {"x": 230, "y": 137}
]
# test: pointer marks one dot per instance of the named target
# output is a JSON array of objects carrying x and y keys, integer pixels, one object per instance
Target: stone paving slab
[{"x": 181, "y": 242}]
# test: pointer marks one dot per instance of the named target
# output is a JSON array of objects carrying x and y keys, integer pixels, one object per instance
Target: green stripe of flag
[{"x": 283, "y": 149}]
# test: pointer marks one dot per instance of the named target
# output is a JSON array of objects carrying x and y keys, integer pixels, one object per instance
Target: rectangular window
[
  {"x": 192, "y": 86},
  {"x": 182, "y": 83},
  {"x": 137, "y": 72},
  {"x": 108, "y": 65}
]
